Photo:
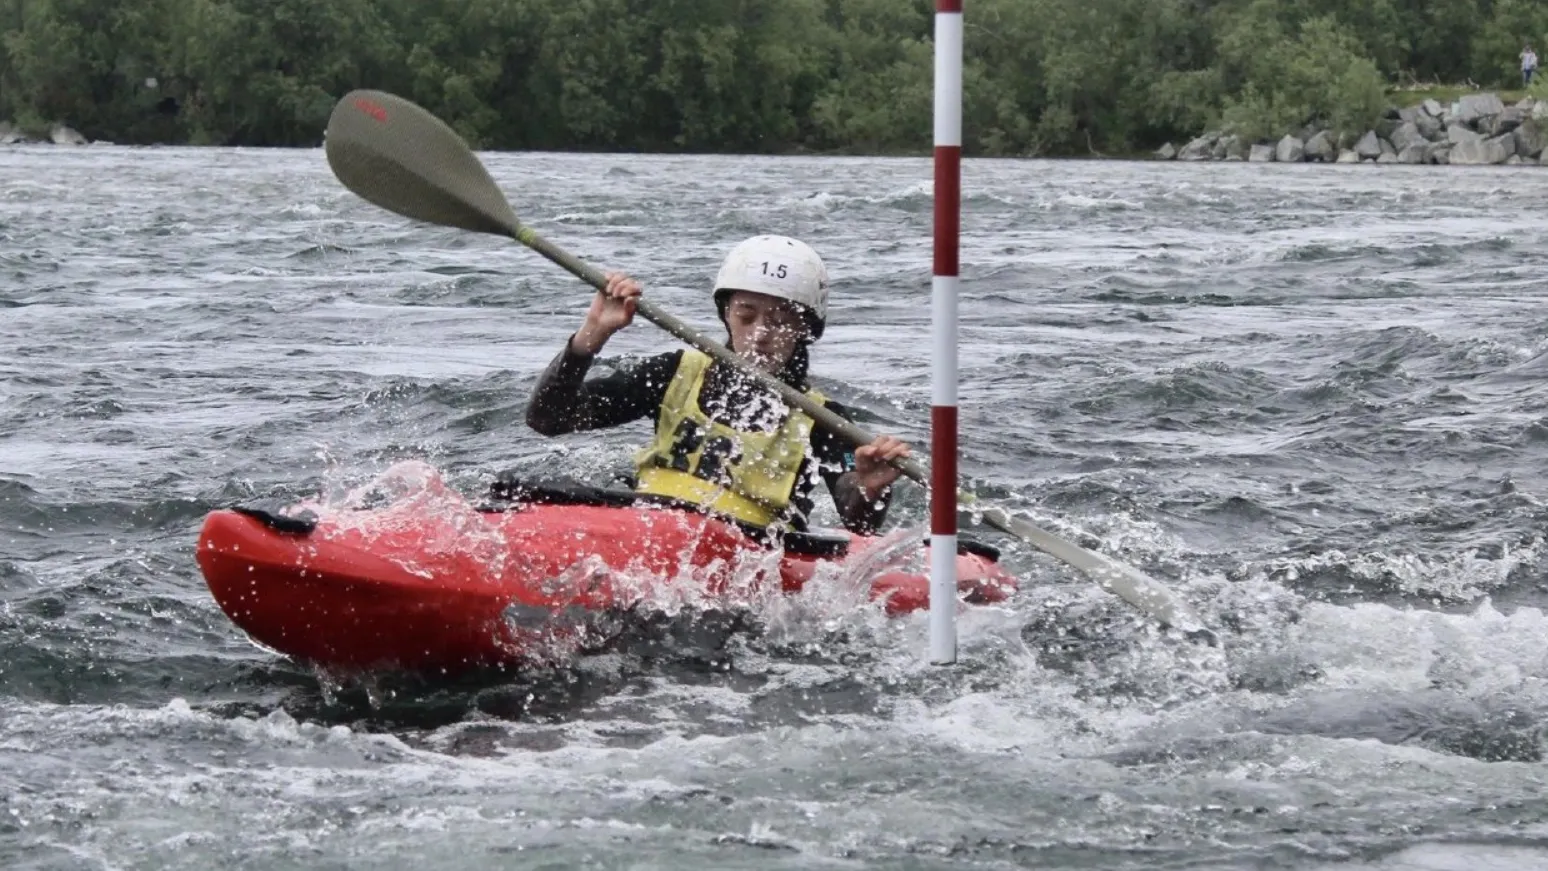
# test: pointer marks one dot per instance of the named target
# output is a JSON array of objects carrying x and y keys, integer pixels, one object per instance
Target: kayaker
[{"x": 722, "y": 440}]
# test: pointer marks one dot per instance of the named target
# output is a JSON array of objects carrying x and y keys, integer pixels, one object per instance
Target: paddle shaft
[{"x": 820, "y": 413}]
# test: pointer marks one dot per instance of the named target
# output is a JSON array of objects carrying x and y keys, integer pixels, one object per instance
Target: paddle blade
[{"x": 397, "y": 155}]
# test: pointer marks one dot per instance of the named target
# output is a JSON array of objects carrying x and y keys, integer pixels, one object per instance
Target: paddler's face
[{"x": 764, "y": 329}]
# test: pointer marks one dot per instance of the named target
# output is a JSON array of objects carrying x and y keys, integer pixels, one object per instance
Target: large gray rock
[
  {"x": 1417, "y": 152},
  {"x": 62, "y": 135},
  {"x": 1385, "y": 126},
  {"x": 1433, "y": 108},
  {"x": 1231, "y": 147},
  {"x": 1321, "y": 148},
  {"x": 1506, "y": 142},
  {"x": 11, "y": 136},
  {"x": 1440, "y": 153},
  {"x": 1200, "y": 148},
  {"x": 1531, "y": 137},
  {"x": 1289, "y": 150},
  {"x": 1540, "y": 111},
  {"x": 1410, "y": 114},
  {"x": 1457, "y": 133},
  {"x": 1369, "y": 146},
  {"x": 1167, "y": 152},
  {"x": 1261, "y": 154},
  {"x": 1475, "y": 106},
  {"x": 1407, "y": 134},
  {"x": 1506, "y": 121},
  {"x": 1387, "y": 157},
  {"x": 1347, "y": 156},
  {"x": 1431, "y": 128},
  {"x": 1480, "y": 152},
  {"x": 1513, "y": 160}
]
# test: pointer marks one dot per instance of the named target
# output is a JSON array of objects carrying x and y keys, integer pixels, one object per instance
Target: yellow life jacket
[{"x": 749, "y": 476}]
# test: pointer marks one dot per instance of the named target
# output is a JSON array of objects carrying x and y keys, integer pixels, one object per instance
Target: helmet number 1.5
[{"x": 778, "y": 270}]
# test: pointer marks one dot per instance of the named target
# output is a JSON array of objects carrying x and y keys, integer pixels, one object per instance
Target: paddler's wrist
[
  {"x": 871, "y": 493},
  {"x": 588, "y": 340}
]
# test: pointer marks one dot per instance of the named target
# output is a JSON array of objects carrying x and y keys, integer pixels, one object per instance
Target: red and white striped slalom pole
[{"x": 943, "y": 410}]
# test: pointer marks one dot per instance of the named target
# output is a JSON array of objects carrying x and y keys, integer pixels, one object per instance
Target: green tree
[
  {"x": 880, "y": 96},
  {"x": 1279, "y": 80}
]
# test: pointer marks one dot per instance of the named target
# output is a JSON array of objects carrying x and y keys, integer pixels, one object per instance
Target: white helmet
[{"x": 778, "y": 266}]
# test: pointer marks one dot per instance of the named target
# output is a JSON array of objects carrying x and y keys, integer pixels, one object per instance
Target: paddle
[{"x": 397, "y": 155}]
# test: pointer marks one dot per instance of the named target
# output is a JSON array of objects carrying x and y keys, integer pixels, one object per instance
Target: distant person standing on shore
[{"x": 1528, "y": 65}]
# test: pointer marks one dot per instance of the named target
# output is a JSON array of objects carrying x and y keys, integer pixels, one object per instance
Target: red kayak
[{"x": 435, "y": 584}]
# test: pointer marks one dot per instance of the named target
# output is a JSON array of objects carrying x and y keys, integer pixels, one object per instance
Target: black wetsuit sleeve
[
  {"x": 564, "y": 400},
  {"x": 836, "y": 464}
]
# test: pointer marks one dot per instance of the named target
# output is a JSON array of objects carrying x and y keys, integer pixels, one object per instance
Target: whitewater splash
[{"x": 412, "y": 497}]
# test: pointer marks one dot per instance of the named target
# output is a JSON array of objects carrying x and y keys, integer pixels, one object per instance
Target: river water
[{"x": 1309, "y": 398}]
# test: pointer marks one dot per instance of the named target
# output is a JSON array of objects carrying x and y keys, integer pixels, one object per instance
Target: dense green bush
[{"x": 1316, "y": 76}]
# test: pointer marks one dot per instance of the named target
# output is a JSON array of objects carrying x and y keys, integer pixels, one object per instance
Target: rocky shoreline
[
  {"x": 1476, "y": 130},
  {"x": 59, "y": 134}
]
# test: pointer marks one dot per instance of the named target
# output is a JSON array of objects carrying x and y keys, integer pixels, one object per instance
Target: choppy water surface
[{"x": 1308, "y": 397}]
